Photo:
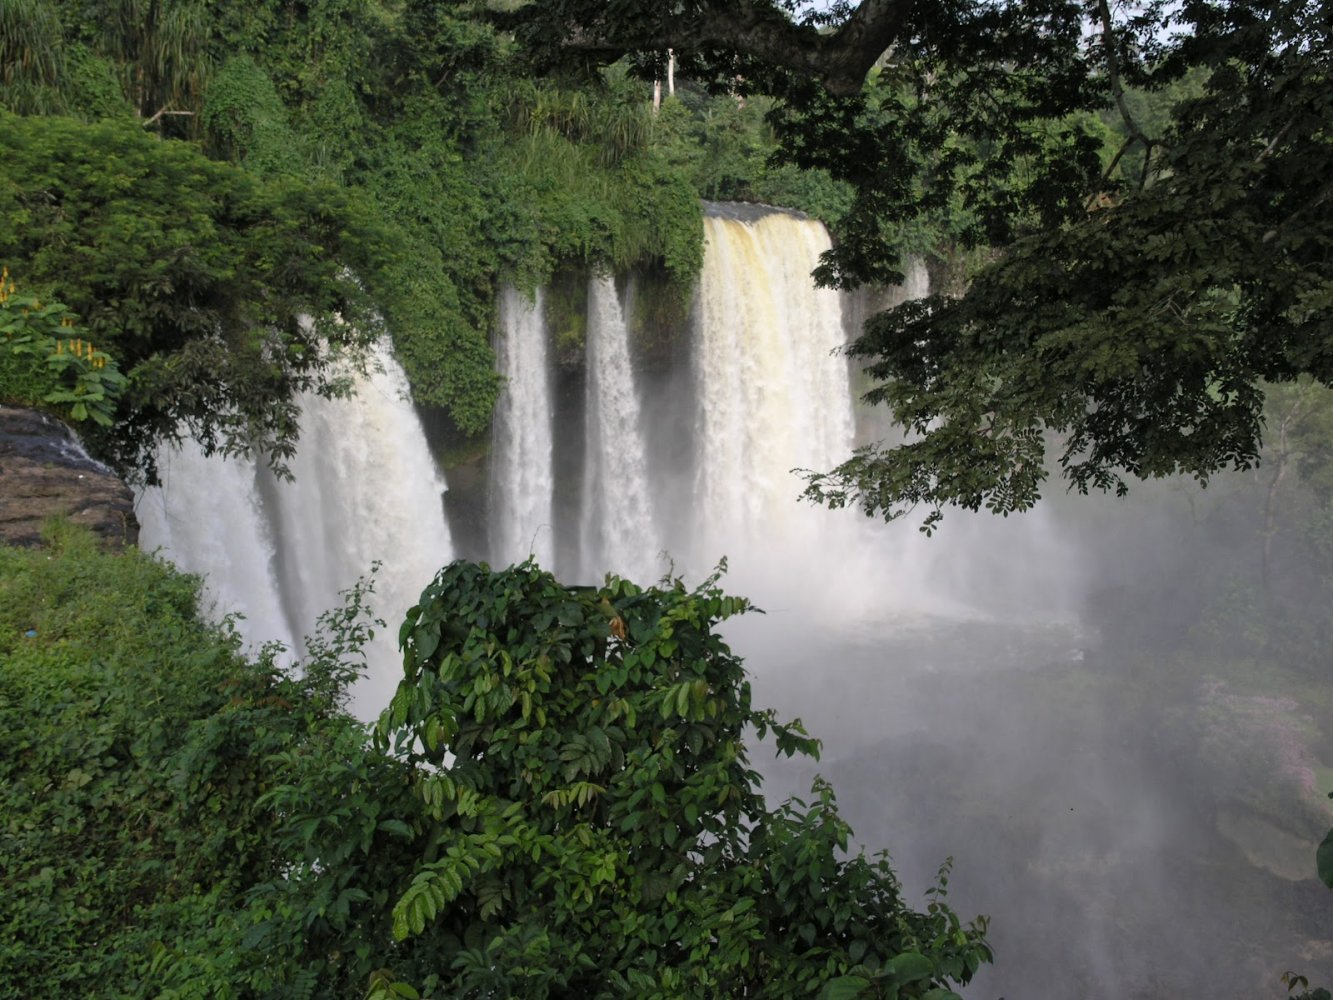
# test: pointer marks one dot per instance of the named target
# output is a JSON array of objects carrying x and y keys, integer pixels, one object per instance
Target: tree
[
  {"x": 589, "y": 824},
  {"x": 1133, "y": 320},
  {"x": 221, "y": 297}
]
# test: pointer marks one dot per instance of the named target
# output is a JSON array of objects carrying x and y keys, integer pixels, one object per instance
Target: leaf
[
  {"x": 1324, "y": 860},
  {"x": 911, "y": 967},
  {"x": 427, "y": 640},
  {"x": 396, "y": 827},
  {"x": 844, "y": 988}
]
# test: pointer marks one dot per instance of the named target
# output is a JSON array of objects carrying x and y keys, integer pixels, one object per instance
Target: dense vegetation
[
  {"x": 1192, "y": 226},
  {"x": 138, "y": 749},
  {"x": 1145, "y": 353},
  {"x": 193, "y": 276},
  {"x": 47, "y": 358},
  {"x": 218, "y": 203},
  {"x": 224, "y": 170},
  {"x": 558, "y": 803}
]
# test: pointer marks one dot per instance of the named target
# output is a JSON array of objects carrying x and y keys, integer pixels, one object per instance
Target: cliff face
[{"x": 45, "y": 473}]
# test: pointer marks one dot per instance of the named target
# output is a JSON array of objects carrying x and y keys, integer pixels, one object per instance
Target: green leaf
[
  {"x": 1324, "y": 860},
  {"x": 844, "y": 988},
  {"x": 911, "y": 967}
]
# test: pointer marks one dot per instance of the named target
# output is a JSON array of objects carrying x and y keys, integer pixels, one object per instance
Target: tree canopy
[{"x": 221, "y": 296}]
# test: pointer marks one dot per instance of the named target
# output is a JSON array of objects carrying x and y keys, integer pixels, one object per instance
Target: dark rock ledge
[{"x": 45, "y": 473}]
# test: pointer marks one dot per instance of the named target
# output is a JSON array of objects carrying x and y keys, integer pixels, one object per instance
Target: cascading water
[
  {"x": 207, "y": 517},
  {"x": 365, "y": 489},
  {"x": 618, "y": 530},
  {"x": 770, "y": 394},
  {"x": 773, "y": 395},
  {"x": 522, "y": 479}
]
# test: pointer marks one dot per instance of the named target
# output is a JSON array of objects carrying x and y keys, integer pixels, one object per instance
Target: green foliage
[
  {"x": 244, "y": 119},
  {"x": 1138, "y": 336},
  {"x": 1295, "y": 982},
  {"x": 513, "y": 187},
  {"x": 45, "y": 359},
  {"x": 45, "y": 72},
  {"x": 590, "y": 822},
  {"x": 31, "y": 63},
  {"x": 179, "y": 821},
  {"x": 1324, "y": 860},
  {"x": 182, "y": 822},
  {"x": 134, "y": 744},
  {"x": 162, "y": 51},
  {"x": 195, "y": 276}
]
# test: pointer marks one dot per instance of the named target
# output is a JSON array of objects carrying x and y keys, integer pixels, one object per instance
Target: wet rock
[{"x": 45, "y": 473}]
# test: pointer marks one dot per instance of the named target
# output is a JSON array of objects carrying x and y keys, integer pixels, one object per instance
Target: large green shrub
[
  {"x": 179, "y": 821},
  {"x": 221, "y": 296},
  {"x": 589, "y": 824}
]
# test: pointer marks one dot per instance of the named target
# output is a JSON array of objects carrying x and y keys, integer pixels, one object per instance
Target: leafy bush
[
  {"x": 45, "y": 358},
  {"x": 198, "y": 277},
  {"x": 136, "y": 745},
  {"x": 589, "y": 824},
  {"x": 178, "y": 821}
]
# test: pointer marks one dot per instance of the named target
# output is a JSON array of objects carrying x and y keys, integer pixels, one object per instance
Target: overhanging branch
[{"x": 839, "y": 60}]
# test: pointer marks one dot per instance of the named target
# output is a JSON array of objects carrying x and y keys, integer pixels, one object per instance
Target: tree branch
[
  {"x": 1113, "y": 73},
  {"x": 150, "y": 122},
  {"x": 839, "y": 60}
]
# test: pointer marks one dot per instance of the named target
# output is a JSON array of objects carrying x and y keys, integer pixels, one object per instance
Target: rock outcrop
[{"x": 45, "y": 473}]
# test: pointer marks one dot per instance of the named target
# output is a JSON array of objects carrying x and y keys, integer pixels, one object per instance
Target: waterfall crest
[
  {"x": 773, "y": 394},
  {"x": 521, "y": 474}
]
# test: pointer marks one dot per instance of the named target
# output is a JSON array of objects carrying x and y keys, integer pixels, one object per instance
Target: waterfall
[
  {"x": 207, "y": 517},
  {"x": 758, "y": 391},
  {"x": 916, "y": 281},
  {"x": 773, "y": 396},
  {"x": 365, "y": 488},
  {"x": 618, "y": 532},
  {"x": 522, "y": 480}
]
